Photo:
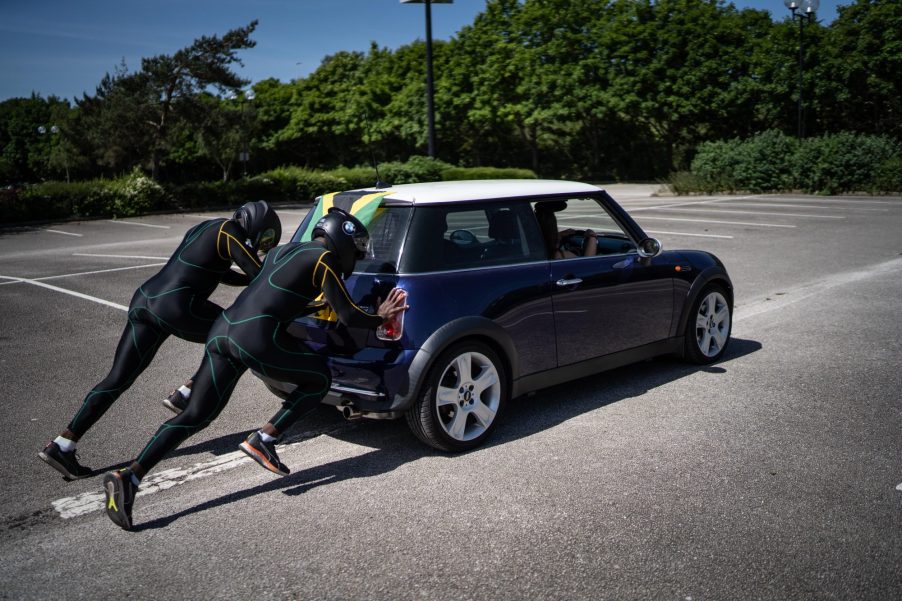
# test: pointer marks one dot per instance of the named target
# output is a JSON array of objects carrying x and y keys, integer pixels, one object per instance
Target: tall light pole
[
  {"x": 803, "y": 10},
  {"x": 430, "y": 109},
  {"x": 55, "y": 130}
]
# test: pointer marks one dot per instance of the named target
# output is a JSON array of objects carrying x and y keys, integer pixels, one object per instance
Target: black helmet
[
  {"x": 261, "y": 223},
  {"x": 345, "y": 235}
]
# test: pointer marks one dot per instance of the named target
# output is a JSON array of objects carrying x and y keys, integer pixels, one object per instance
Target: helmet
[
  {"x": 345, "y": 235},
  {"x": 261, "y": 223}
]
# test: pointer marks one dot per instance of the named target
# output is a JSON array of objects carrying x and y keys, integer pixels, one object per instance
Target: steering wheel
[
  {"x": 574, "y": 242},
  {"x": 463, "y": 237}
]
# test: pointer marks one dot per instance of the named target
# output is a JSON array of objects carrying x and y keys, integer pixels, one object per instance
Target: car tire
[
  {"x": 708, "y": 326},
  {"x": 465, "y": 391}
]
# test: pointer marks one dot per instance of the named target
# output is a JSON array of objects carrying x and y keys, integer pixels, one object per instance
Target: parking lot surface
[{"x": 773, "y": 474}]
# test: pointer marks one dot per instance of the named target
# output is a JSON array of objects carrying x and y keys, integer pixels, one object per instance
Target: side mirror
[{"x": 649, "y": 248}]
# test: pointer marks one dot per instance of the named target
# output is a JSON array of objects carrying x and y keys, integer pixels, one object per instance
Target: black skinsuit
[
  {"x": 252, "y": 334},
  {"x": 174, "y": 302}
]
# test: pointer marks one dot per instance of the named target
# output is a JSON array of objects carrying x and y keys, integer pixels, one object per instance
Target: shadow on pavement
[{"x": 394, "y": 446}]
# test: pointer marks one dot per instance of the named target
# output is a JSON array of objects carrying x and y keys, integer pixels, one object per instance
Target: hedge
[
  {"x": 773, "y": 162},
  {"x": 137, "y": 194}
]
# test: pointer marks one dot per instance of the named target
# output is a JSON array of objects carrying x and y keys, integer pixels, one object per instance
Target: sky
[{"x": 64, "y": 48}]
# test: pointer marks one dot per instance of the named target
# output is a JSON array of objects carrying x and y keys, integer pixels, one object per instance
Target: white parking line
[
  {"x": 69, "y": 275},
  {"x": 162, "y": 227},
  {"x": 70, "y": 507},
  {"x": 769, "y": 213},
  {"x": 688, "y": 234},
  {"x": 780, "y": 205},
  {"x": 795, "y": 294},
  {"x": 121, "y": 257},
  {"x": 688, "y": 203},
  {"x": 65, "y": 233},
  {"x": 64, "y": 291},
  {"x": 717, "y": 221},
  {"x": 854, "y": 200}
]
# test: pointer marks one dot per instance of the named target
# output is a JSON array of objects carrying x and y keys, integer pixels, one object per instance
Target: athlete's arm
[
  {"x": 231, "y": 246},
  {"x": 326, "y": 276}
]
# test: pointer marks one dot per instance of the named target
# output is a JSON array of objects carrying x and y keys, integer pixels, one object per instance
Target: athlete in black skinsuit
[
  {"x": 174, "y": 302},
  {"x": 252, "y": 334}
]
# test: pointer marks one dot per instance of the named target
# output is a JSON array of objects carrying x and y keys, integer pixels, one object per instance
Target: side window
[
  {"x": 580, "y": 227},
  {"x": 446, "y": 237}
]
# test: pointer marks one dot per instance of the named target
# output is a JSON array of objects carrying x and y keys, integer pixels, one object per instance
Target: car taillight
[{"x": 392, "y": 329}]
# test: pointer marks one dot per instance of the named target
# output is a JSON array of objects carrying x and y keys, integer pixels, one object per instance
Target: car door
[{"x": 612, "y": 301}]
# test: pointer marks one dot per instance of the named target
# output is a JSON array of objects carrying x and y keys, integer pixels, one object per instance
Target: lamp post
[
  {"x": 430, "y": 110},
  {"x": 55, "y": 130},
  {"x": 246, "y": 120},
  {"x": 803, "y": 10}
]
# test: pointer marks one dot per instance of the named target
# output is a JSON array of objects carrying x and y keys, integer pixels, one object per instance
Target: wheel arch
[
  {"x": 474, "y": 328},
  {"x": 714, "y": 274}
]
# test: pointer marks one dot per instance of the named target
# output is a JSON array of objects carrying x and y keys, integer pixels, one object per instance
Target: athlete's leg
[
  {"x": 284, "y": 358},
  {"x": 192, "y": 324},
  {"x": 213, "y": 385},
  {"x": 290, "y": 360},
  {"x": 137, "y": 347}
]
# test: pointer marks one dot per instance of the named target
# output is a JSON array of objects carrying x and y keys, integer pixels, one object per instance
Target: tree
[
  {"x": 859, "y": 84},
  {"x": 227, "y": 130},
  {"x": 176, "y": 80}
]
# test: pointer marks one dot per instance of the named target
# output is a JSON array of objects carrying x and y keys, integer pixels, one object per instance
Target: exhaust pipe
[{"x": 350, "y": 413}]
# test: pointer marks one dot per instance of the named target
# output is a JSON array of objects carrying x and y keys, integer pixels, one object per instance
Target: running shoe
[
  {"x": 176, "y": 402},
  {"x": 264, "y": 453},
  {"x": 120, "y": 496},
  {"x": 65, "y": 463}
]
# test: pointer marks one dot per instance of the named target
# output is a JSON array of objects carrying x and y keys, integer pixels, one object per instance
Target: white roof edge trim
[{"x": 484, "y": 189}]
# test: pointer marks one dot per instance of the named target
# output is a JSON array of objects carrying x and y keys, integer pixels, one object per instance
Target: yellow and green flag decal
[{"x": 362, "y": 205}]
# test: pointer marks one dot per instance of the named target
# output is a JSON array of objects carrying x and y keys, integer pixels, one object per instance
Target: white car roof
[{"x": 483, "y": 189}]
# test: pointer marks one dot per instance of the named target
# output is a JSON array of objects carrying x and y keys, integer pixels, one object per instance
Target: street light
[
  {"x": 55, "y": 130},
  {"x": 803, "y": 10},
  {"x": 245, "y": 155},
  {"x": 430, "y": 111}
]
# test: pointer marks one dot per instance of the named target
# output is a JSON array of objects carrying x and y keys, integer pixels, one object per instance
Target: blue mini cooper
[{"x": 513, "y": 286}]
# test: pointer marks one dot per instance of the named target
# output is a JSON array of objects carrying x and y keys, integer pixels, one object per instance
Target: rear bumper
[{"x": 369, "y": 383}]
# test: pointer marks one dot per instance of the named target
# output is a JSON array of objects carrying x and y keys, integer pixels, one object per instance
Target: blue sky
[{"x": 64, "y": 48}]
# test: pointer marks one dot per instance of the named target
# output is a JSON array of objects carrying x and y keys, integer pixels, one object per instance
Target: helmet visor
[{"x": 360, "y": 243}]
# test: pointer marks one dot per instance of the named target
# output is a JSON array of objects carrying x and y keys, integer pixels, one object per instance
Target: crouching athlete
[
  {"x": 174, "y": 302},
  {"x": 252, "y": 334}
]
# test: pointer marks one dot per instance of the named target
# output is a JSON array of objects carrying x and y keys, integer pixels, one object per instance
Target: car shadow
[
  {"x": 534, "y": 413},
  {"x": 369, "y": 464},
  {"x": 393, "y": 445}
]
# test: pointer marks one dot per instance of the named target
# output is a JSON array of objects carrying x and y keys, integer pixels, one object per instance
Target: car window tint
[
  {"x": 571, "y": 219},
  {"x": 386, "y": 230},
  {"x": 445, "y": 237}
]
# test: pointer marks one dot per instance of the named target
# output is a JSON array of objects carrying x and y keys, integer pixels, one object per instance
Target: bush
[
  {"x": 296, "y": 184},
  {"x": 843, "y": 162},
  {"x": 772, "y": 161},
  {"x": 685, "y": 182},
  {"x": 356, "y": 177},
  {"x": 888, "y": 177},
  {"x": 416, "y": 169},
  {"x": 135, "y": 194},
  {"x": 758, "y": 164},
  {"x": 460, "y": 173},
  {"x": 127, "y": 196}
]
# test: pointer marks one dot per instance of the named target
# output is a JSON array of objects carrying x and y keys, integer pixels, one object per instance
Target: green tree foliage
[
  {"x": 859, "y": 83},
  {"x": 596, "y": 89}
]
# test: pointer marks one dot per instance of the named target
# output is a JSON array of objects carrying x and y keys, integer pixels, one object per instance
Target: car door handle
[{"x": 563, "y": 283}]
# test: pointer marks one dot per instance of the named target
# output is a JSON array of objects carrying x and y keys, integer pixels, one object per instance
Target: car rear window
[{"x": 387, "y": 230}]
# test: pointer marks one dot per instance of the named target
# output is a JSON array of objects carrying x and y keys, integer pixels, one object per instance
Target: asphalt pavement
[{"x": 773, "y": 474}]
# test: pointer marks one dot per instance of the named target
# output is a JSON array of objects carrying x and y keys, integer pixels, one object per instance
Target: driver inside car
[{"x": 554, "y": 239}]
